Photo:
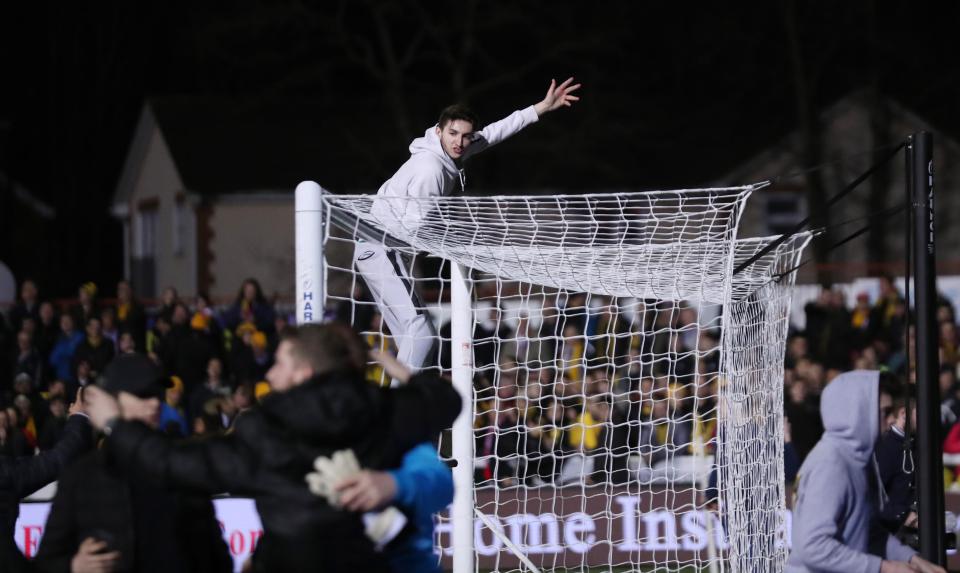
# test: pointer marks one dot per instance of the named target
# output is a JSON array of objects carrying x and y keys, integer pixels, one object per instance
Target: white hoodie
[
  {"x": 834, "y": 518},
  {"x": 430, "y": 172}
]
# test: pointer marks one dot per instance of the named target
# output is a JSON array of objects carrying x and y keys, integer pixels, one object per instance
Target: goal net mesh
[{"x": 627, "y": 385}]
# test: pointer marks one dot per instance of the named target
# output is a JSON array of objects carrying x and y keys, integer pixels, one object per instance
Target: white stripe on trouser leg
[{"x": 385, "y": 274}]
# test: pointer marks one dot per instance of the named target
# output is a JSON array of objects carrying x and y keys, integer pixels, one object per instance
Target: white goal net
[{"x": 626, "y": 385}]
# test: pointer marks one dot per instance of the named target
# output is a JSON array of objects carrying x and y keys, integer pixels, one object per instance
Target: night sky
[{"x": 672, "y": 96}]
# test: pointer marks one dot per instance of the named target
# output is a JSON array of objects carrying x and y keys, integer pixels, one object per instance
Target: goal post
[
  {"x": 310, "y": 278},
  {"x": 461, "y": 360},
  {"x": 609, "y": 360}
]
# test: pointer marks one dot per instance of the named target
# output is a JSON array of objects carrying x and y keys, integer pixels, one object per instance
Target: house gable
[{"x": 159, "y": 222}]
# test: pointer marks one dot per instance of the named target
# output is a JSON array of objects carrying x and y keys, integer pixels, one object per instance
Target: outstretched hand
[
  {"x": 558, "y": 96},
  {"x": 393, "y": 367}
]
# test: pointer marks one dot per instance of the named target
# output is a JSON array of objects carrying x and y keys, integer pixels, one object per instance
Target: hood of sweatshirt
[
  {"x": 430, "y": 143},
  {"x": 850, "y": 408}
]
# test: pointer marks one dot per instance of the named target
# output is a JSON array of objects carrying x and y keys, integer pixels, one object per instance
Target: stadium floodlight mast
[{"x": 657, "y": 269}]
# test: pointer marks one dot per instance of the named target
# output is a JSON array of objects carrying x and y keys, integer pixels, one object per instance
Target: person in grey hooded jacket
[
  {"x": 838, "y": 494},
  {"x": 434, "y": 169}
]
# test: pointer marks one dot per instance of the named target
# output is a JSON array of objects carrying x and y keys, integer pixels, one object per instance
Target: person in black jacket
[
  {"x": 22, "y": 476},
  {"x": 319, "y": 404},
  {"x": 895, "y": 463},
  {"x": 96, "y": 349},
  {"x": 27, "y": 305},
  {"x": 107, "y": 516}
]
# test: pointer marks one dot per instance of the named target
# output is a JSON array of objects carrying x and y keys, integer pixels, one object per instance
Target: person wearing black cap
[
  {"x": 107, "y": 516},
  {"x": 320, "y": 403},
  {"x": 24, "y": 475}
]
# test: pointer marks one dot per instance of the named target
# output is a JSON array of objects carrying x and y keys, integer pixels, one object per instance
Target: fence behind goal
[{"x": 625, "y": 387}]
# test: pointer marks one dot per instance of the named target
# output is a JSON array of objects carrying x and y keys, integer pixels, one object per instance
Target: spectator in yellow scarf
[
  {"x": 860, "y": 317},
  {"x": 586, "y": 431}
]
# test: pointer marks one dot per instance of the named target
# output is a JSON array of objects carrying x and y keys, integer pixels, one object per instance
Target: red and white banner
[
  {"x": 574, "y": 527},
  {"x": 238, "y": 519}
]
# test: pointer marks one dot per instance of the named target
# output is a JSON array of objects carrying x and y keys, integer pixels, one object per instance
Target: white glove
[
  {"x": 381, "y": 527},
  {"x": 330, "y": 472}
]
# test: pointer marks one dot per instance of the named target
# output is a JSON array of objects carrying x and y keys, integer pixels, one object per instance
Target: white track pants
[{"x": 388, "y": 279}]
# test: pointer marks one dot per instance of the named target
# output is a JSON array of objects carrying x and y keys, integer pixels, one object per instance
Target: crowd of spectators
[
  {"x": 594, "y": 390},
  {"x": 872, "y": 335},
  {"x": 589, "y": 390},
  {"x": 216, "y": 359}
]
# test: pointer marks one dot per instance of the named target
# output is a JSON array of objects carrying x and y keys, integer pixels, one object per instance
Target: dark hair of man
[
  {"x": 455, "y": 112},
  {"x": 890, "y": 384},
  {"x": 893, "y": 386},
  {"x": 900, "y": 400},
  {"x": 328, "y": 347},
  {"x": 898, "y": 390}
]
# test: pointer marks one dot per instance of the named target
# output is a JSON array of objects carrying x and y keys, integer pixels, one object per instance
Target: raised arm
[
  {"x": 214, "y": 465},
  {"x": 557, "y": 97},
  {"x": 29, "y": 474}
]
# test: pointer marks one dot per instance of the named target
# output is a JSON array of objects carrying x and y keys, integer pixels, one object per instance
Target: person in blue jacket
[
  {"x": 61, "y": 357},
  {"x": 419, "y": 488}
]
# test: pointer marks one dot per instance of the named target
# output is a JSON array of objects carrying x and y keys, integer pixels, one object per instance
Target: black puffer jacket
[
  {"x": 22, "y": 476},
  {"x": 274, "y": 447},
  {"x": 154, "y": 530}
]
